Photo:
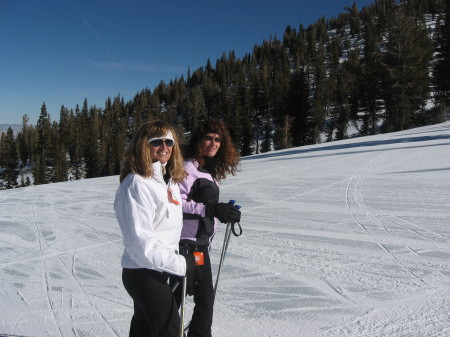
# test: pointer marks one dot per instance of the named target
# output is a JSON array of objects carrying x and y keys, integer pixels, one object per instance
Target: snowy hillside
[{"x": 349, "y": 238}]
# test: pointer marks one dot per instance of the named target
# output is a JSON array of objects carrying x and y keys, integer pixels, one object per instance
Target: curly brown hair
[
  {"x": 227, "y": 156},
  {"x": 138, "y": 157}
]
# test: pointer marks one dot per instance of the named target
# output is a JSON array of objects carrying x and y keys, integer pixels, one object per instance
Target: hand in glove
[
  {"x": 226, "y": 213},
  {"x": 204, "y": 191},
  {"x": 190, "y": 273}
]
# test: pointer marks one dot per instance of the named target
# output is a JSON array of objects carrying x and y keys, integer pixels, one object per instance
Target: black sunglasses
[
  {"x": 159, "y": 142},
  {"x": 210, "y": 138}
]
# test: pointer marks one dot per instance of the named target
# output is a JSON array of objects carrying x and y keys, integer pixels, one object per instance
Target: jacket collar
[{"x": 158, "y": 172}]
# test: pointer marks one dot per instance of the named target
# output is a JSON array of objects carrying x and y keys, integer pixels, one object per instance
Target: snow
[{"x": 349, "y": 238}]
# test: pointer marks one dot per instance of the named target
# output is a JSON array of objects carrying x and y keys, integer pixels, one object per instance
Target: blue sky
[{"x": 63, "y": 51}]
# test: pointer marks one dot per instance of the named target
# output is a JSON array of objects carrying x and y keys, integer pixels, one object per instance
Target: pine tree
[
  {"x": 75, "y": 148},
  {"x": 283, "y": 134},
  {"x": 64, "y": 126},
  {"x": 298, "y": 108},
  {"x": 9, "y": 160},
  {"x": 3, "y": 156},
  {"x": 347, "y": 93},
  {"x": 92, "y": 145},
  {"x": 237, "y": 87},
  {"x": 321, "y": 95},
  {"x": 61, "y": 163},
  {"x": 407, "y": 59},
  {"x": 246, "y": 141},
  {"x": 85, "y": 135},
  {"x": 41, "y": 157},
  {"x": 259, "y": 96},
  {"x": 442, "y": 68},
  {"x": 107, "y": 139},
  {"x": 266, "y": 141},
  {"x": 370, "y": 79},
  {"x": 334, "y": 86},
  {"x": 354, "y": 20},
  {"x": 118, "y": 129},
  {"x": 26, "y": 142}
]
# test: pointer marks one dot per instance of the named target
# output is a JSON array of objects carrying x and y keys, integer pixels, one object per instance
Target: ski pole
[
  {"x": 175, "y": 286},
  {"x": 222, "y": 256},
  {"x": 228, "y": 231},
  {"x": 183, "y": 302}
]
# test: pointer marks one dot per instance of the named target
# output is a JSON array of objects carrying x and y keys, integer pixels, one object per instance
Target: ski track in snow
[{"x": 347, "y": 238}]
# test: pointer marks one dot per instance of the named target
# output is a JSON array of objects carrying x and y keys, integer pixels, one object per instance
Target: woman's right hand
[{"x": 226, "y": 212}]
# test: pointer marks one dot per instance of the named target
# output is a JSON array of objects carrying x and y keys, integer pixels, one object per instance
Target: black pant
[
  {"x": 155, "y": 309},
  {"x": 202, "y": 316}
]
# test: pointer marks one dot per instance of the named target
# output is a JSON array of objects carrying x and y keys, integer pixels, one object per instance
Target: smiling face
[
  {"x": 211, "y": 144},
  {"x": 160, "y": 153}
]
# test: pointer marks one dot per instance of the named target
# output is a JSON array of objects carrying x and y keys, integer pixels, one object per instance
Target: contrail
[
  {"x": 99, "y": 65},
  {"x": 105, "y": 48}
]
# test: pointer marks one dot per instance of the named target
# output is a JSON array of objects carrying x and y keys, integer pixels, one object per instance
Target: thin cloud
[
  {"x": 99, "y": 65},
  {"x": 154, "y": 68},
  {"x": 88, "y": 25}
]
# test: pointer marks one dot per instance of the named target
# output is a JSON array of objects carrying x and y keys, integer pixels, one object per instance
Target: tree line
[{"x": 383, "y": 68}]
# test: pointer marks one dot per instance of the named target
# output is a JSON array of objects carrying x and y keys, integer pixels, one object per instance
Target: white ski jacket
[{"x": 150, "y": 223}]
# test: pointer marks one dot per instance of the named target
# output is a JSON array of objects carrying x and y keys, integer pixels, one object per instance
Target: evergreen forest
[{"x": 382, "y": 68}]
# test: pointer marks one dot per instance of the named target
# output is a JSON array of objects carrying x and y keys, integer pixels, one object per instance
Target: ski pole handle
[
  {"x": 233, "y": 202},
  {"x": 238, "y": 207}
]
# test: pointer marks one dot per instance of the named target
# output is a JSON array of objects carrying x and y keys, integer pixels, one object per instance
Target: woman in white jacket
[{"x": 148, "y": 210}]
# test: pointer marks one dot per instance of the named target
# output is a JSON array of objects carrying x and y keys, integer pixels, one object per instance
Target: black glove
[
  {"x": 190, "y": 273},
  {"x": 226, "y": 213},
  {"x": 204, "y": 191}
]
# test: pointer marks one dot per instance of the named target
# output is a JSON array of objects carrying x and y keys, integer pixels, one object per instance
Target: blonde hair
[{"x": 138, "y": 158}]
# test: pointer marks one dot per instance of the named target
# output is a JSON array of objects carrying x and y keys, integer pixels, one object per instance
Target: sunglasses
[
  {"x": 159, "y": 142},
  {"x": 210, "y": 138}
]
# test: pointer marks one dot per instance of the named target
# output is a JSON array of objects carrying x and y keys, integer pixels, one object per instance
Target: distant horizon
[
  {"x": 15, "y": 127},
  {"x": 77, "y": 50}
]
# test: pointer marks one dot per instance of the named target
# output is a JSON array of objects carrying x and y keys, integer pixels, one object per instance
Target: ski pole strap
[{"x": 233, "y": 230}]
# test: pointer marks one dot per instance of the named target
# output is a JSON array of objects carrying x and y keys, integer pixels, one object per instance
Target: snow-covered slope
[{"x": 350, "y": 238}]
